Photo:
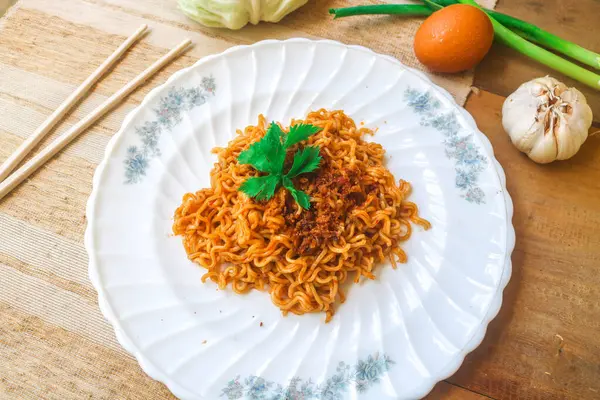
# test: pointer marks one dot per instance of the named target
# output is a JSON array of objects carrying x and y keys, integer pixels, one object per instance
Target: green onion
[
  {"x": 433, "y": 5},
  {"x": 395, "y": 9},
  {"x": 551, "y": 60},
  {"x": 540, "y": 36},
  {"x": 520, "y": 27},
  {"x": 547, "y": 39},
  {"x": 408, "y": 10}
]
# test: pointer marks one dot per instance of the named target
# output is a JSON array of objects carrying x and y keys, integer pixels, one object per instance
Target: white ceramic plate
[{"x": 395, "y": 337}]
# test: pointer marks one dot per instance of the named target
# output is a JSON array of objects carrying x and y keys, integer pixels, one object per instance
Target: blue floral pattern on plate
[
  {"x": 362, "y": 376},
  {"x": 469, "y": 162},
  {"x": 167, "y": 116}
]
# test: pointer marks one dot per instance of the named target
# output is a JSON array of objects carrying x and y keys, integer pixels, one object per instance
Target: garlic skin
[{"x": 547, "y": 120}]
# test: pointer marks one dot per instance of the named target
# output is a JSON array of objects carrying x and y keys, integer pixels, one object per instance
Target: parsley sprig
[{"x": 268, "y": 155}]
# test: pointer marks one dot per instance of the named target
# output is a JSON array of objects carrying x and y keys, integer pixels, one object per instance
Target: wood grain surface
[
  {"x": 504, "y": 69},
  {"x": 544, "y": 344},
  {"x": 54, "y": 343}
]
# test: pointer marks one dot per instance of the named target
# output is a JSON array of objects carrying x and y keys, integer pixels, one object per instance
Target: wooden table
[{"x": 544, "y": 344}]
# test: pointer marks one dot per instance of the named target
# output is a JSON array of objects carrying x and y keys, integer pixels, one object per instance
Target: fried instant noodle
[{"x": 358, "y": 218}]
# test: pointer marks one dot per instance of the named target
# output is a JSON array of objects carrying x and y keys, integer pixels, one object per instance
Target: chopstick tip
[
  {"x": 143, "y": 28},
  {"x": 184, "y": 45}
]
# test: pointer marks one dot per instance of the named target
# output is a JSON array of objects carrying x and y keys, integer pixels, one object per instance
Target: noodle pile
[{"x": 358, "y": 218}]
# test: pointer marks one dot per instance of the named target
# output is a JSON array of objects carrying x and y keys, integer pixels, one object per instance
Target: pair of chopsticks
[{"x": 9, "y": 182}]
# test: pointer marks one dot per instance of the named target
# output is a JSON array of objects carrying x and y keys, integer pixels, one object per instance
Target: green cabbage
[{"x": 234, "y": 14}]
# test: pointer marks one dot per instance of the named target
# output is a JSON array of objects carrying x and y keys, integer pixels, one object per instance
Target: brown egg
[{"x": 454, "y": 39}]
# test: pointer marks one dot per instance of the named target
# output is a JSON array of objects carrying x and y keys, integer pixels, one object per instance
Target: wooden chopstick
[
  {"x": 28, "y": 168},
  {"x": 14, "y": 159}
]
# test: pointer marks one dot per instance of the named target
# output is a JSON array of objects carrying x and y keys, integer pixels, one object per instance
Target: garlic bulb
[{"x": 547, "y": 120}]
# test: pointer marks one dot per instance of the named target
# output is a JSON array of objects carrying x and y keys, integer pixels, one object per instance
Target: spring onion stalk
[
  {"x": 520, "y": 27},
  {"x": 511, "y": 39},
  {"x": 392, "y": 9},
  {"x": 408, "y": 10},
  {"x": 540, "y": 36},
  {"x": 433, "y": 5}
]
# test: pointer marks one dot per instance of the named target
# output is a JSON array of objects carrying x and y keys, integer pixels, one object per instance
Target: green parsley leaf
[
  {"x": 268, "y": 154},
  {"x": 276, "y": 154},
  {"x": 261, "y": 187},
  {"x": 299, "y": 133},
  {"x": 305, "y": 160},
  {"x": 301, "y": 198},
  {"x": 252, "y": 156}
]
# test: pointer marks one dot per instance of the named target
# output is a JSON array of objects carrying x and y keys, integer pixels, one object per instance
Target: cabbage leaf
[{"x": 234, "y": 14}]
